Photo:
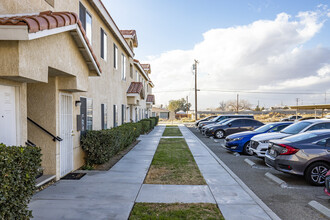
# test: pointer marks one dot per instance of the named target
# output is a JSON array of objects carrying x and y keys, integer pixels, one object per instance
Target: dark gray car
[{"x": 306, "y": 154}]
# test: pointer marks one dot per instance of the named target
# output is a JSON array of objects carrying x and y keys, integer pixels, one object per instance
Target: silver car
[
  {"x": 306, "y": 154},
  {"x": 259, "y": 143}
]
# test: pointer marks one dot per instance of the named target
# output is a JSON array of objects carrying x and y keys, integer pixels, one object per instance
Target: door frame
[{"x": 60, "y": 113}]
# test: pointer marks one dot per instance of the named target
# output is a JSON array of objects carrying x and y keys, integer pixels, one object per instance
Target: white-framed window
[
  {"x": 115, "y": 56},
  {"x": 115, "y": 116},
  {"x": 137, "y": 75},
  {"x": 123, "y": 67},
  {"x": 86, "y": 21},
  {"x": 104, "y": 45},
  {"x": 89, "y": 121},
  {"x": 104, "y": 116},
  {"x": 131, "y": 71}
]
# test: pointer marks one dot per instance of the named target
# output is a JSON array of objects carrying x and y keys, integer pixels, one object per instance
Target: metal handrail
[{"x": 55, "y": 138}]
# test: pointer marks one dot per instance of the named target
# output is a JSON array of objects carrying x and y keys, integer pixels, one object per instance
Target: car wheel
[
  {"x": 315, "y": 173},
  {"x": 246, "y": 148},
  {"x": 219, "y": 134}
]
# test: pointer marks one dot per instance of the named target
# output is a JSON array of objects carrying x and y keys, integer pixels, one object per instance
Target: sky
[{"x": 269, "y": 52}]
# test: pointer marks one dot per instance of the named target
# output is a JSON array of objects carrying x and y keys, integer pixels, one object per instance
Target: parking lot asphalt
[{"x": 288, "y": 203}]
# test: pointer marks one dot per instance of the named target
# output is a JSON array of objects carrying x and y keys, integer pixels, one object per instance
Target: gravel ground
[{"x": 288, "y": 203}]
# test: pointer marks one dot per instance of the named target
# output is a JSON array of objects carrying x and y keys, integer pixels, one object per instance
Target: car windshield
[
  {"x": 215, "y": 118},
  {"x": 264, "y": 128},
  {"x": 223, "y": 121},
  {"x": 295, "y": 128},
  {"x": 300, "y": 137}
]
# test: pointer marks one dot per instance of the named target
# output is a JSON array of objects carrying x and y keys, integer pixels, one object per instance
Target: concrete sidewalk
[{"x": 112, "y": 194}]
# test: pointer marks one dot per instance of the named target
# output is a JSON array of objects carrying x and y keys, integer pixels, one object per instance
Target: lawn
[
  {"x": 175, "y": 211},
  {"x": 172, "y": 131},
  {"x": 174, "y": 164}
]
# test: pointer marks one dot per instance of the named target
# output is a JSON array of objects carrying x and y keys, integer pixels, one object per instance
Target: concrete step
[{"x": 44, "y": 179}]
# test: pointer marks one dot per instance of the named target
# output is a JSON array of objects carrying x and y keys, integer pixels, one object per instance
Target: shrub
[
  {"x": 100, "y": 146},
  {"x": 19, "y": 167},
  {"x": 145, "y": 126},
  {"x": 156, "y": 118},
  {"x": 153, "y": 122}
]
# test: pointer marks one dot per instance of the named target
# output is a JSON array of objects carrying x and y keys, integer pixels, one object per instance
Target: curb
[
  {"x": 320, "y": 208},
  {"x": 251, "y": 163},
  {"x": 277, "y": 180},
  {"x": 268, "y": 211}
]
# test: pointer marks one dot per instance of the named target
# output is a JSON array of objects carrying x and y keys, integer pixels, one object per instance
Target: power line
[{"x": 245, "y": 91}]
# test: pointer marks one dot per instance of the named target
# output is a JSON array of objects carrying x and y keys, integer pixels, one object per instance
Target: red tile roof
[
  {"x": 128, "y": 32},
  {"x": 146, "y": 67},
  {"x": 135, "y": 87},
  {"x": 48, "y": 20},
  {"x": 151, "y": 98},
  {"x": 43, "y": 21}
]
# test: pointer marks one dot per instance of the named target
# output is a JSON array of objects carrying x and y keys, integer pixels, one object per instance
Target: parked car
[
  {"x": 307, "y": 118},
  {"x": 292, "y": 118},
  {"x": 240, "y": 142},
  {"x": 206, "y": 127},
  {"x": 259, "y": 143},
  {"x": 205, "y": 119},
  {"x": 306, "y": 154},
  {"x": 220, "y": 118},
  {"x": 327, "y": 183},
  {"x": 233, "y": 126}
]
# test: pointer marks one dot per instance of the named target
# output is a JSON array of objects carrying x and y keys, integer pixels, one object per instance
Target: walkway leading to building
[{"x": 112, "y": 194}]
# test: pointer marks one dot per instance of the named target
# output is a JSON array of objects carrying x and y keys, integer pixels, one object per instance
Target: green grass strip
[
  {"x": 175, "y": 211},
  {"x": 174, "y": 164},
  {"x": 172, "y": 131}
]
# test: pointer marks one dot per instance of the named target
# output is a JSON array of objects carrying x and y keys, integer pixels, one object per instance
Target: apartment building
[{"x": 66, "y": 68}]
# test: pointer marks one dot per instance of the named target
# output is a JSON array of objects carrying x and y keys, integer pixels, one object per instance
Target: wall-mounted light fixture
[{"x": 78, "y": 103}]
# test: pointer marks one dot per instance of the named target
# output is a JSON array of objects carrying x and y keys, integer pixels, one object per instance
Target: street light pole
[{"x": 195, "y": 67}]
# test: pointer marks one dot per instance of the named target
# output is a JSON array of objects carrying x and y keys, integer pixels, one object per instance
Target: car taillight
[{"x": 288, "y": 150}]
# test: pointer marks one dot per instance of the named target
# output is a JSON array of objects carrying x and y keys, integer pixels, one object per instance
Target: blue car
[{"x": 240, "y": 142}]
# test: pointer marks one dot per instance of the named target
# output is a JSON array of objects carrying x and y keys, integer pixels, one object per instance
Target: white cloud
[{"x": 263, "y": 55}]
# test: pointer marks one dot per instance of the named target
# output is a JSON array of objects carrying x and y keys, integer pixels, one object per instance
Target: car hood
[
  {"x": 269, "y": 136},
  {"x": 243, "y": 134}
]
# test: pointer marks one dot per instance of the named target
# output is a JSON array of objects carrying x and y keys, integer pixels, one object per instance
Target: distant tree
[
  {"x": 258, "y": 109},
  {"x": 242, "y": 105},
  {"x": 222, "y": 106},
  {"x": 177, "y": 105}
]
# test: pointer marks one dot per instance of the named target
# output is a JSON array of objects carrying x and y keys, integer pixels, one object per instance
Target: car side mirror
[
  {"x": 229, "y": 124},
  {"x": 327, "y": 143}
]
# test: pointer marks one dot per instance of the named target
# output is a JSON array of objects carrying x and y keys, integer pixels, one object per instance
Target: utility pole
[
  {"x": 325, "y": 97},
  {"x": 237, "y": 103},
  {"x": 297, "y": 100},
  {"x": 195, "y": 68}
]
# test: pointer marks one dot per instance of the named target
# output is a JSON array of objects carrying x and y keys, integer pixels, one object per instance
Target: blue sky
[
  {"x": 264, "y": 46},
  {"x": 164, "y": 25}
]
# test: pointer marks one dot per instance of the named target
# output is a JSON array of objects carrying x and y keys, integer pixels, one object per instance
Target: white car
[{"x": 259, "y": 143}]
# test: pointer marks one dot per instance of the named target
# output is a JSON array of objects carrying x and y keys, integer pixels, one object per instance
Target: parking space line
[
  {"x": 320, "y": 208},
  {"x": 251, "y": 163},
  {"x": 277, "y": 180}
]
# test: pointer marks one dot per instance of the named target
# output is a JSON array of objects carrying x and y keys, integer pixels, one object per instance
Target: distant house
[{"x": 161, "y": 112}]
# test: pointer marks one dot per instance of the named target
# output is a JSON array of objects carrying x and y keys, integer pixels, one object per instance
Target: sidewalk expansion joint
[{"x": 277, "y": 180}]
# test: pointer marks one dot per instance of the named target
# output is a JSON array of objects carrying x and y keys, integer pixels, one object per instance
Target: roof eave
[{"x": 21, "y": 32}]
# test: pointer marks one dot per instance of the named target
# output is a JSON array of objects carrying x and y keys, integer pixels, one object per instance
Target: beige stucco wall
[
  {"x": 41, "y": 108},
  {"x": 9, "y": 58}
]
